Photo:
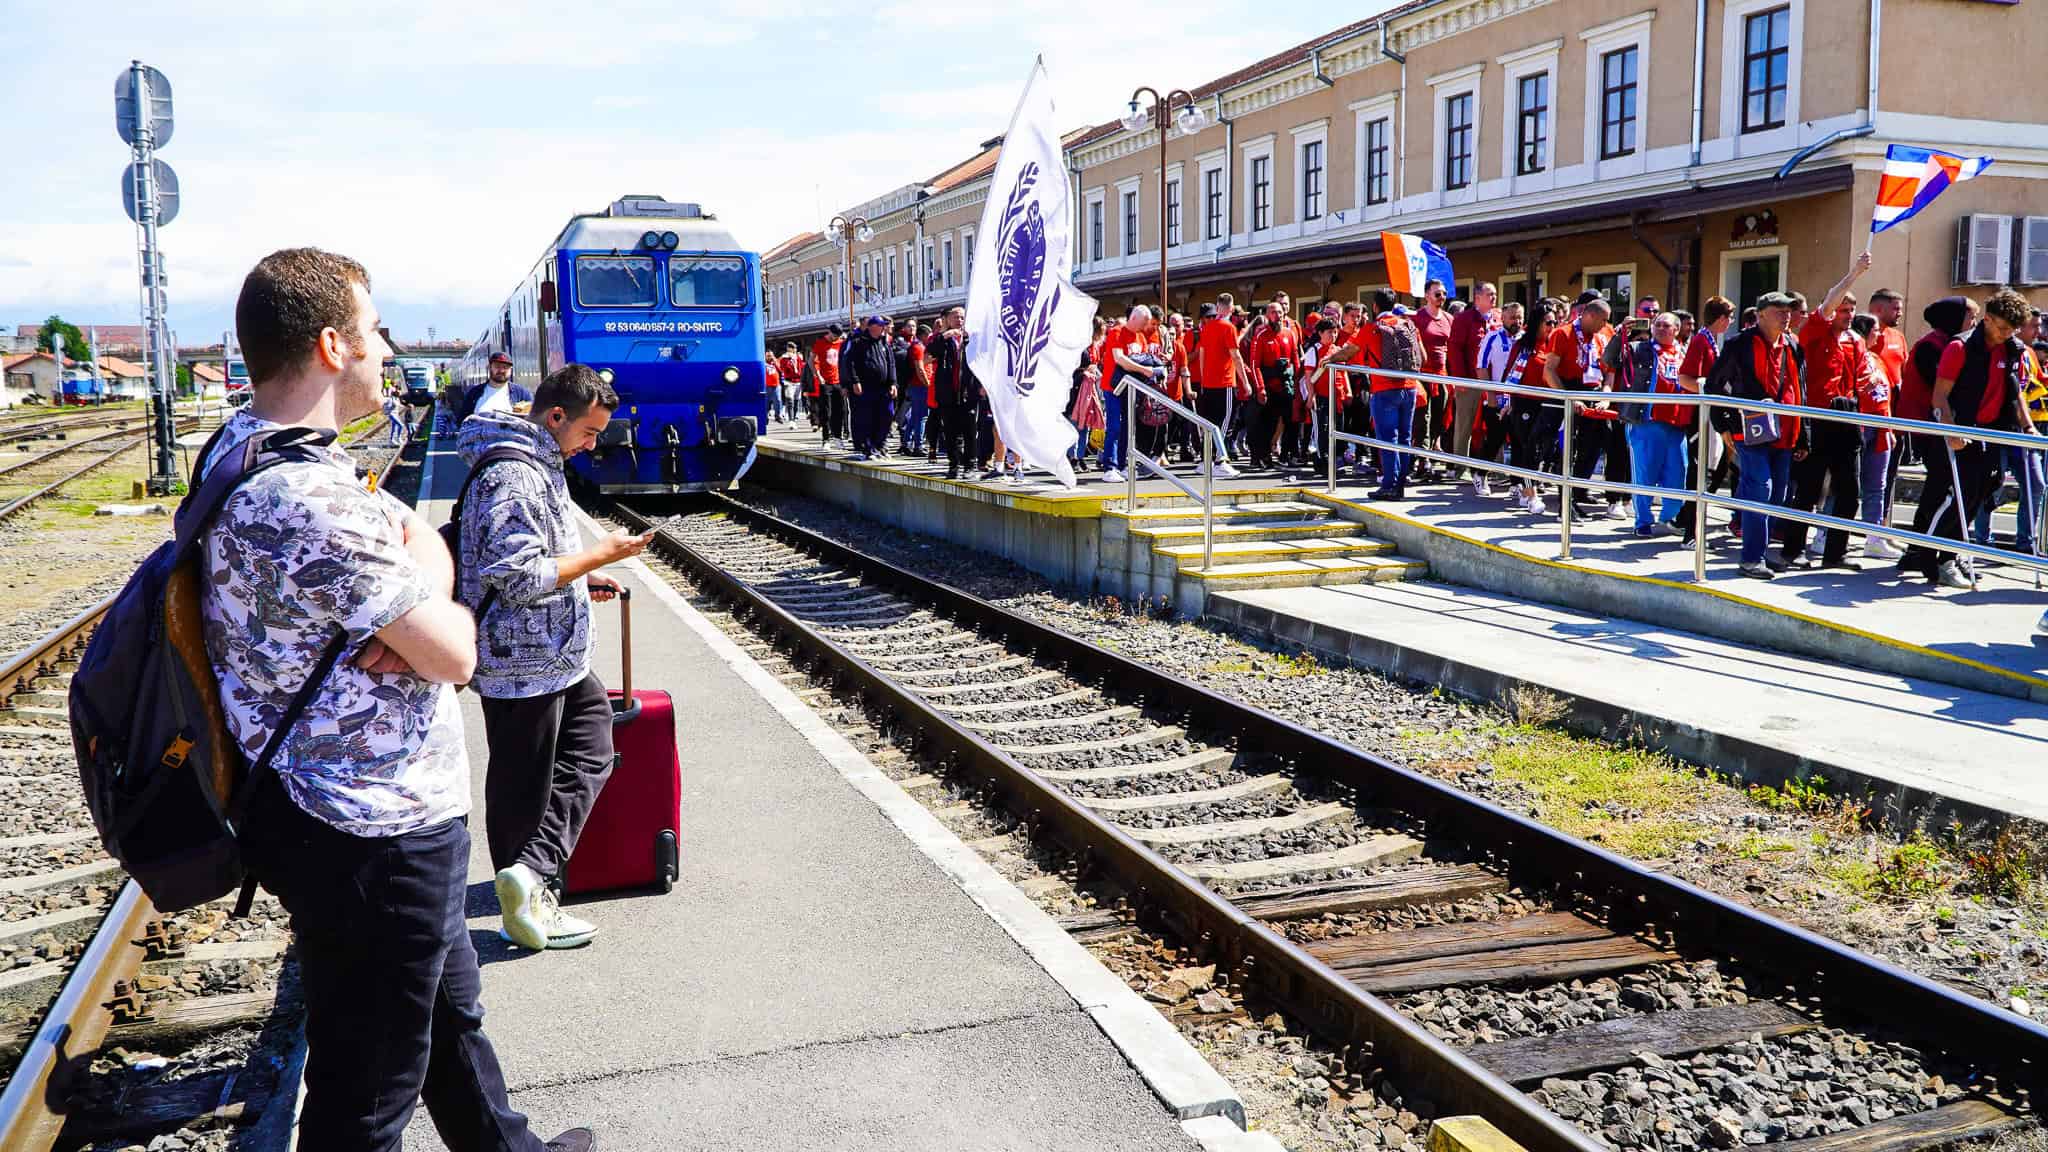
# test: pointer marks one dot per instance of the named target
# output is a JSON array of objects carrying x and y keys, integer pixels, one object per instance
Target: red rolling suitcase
[{"x": 633, "y": 838}]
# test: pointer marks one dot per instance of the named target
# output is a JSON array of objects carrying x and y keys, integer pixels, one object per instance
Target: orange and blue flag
[
  {"x": 1913, "y": 177},
  {"x": 1413, "y": 262}
]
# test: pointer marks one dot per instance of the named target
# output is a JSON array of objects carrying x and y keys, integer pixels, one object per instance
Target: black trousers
[
  {"x": 1942, "y": 510},
  {"x": 550, "y": 757},
  {"x": 1833, "y": 460},
  {"x": 832, "y": 404},
  {"x": 956, "y": 424},
  {"x": 1213, "y": 405},
  {"x": 1274, "y": 415},
  {"x": 390, "y": 980}
]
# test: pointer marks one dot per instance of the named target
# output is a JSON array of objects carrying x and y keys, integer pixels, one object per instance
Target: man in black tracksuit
[
  {"x": 867, "y": 369},
  {"x": 957, "y": 390}
]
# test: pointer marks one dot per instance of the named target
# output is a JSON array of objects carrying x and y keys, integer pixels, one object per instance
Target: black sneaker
[{"x": 574, "y": 1140}]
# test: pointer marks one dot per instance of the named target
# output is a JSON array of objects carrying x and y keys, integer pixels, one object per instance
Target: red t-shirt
[
  {"x": 774, "y": 378},
  {"x": 825, "y": 361},
  {"x": 1893, "y": 354},
  {"x": 1369, "y": 338},
  {"x": 1994, "y": 400},
  {"x": 1832, "y": 361},
  {"x": 1699, "y": 357},
  {"x": 1436, "y": 340},
  {"x": 1122, "y": 339},
  {"x": 1215, "y": 344},
  {"x": 1669, "y": 365},
  {"x": 791, "y": 366},
  {"x": 1778, "y": 373}
]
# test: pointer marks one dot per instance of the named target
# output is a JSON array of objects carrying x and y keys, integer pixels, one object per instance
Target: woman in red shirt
[
  {"x": 1532, "y": 425},
  {"x": 1874, "y": 398}
]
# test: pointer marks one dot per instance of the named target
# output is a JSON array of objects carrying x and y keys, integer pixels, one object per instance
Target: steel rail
[
  {"x": 37, "y": 430},
  {"x": 1940, "y": 1019},
  {"x": 70, "y": 446},
  {"x": 1333, "y": 1005},
  {"x": 31, "y": 1107},
  {"x": 51, "y": 488},
  {"x": 37, "y": 658}
]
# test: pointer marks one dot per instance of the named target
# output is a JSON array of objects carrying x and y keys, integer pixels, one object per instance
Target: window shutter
[{"x": 2034, "y": 250}]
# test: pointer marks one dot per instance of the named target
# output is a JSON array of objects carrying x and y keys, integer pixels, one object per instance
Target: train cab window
[
  {"x": 707, "y": 282},
  {"x": 615, "y": 281}
]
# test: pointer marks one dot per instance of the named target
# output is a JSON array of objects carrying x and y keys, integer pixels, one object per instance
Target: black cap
[
  {"x": 500, "y": 358},
  {"x": 835, "y": 329}
]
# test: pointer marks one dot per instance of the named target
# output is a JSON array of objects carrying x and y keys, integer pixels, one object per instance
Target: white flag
[{"x": 1027, "y": 325}]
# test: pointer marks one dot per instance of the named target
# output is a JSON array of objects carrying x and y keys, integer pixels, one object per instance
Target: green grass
[{"x": 1630, "y": 800}]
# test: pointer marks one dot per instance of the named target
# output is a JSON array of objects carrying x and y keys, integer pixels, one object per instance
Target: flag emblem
[
  {"x": 1913, "y": 177},
  {"x": 1024, "y": 317}
]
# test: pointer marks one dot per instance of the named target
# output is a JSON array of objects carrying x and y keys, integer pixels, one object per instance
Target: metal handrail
[
  {"x": 1212, "y": 446},
  {"x": 1698, "y": 494}
]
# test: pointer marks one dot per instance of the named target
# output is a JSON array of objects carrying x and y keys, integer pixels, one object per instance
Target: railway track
[
  {"x": 24, "y": 474},
  {"x": 41, "y": 429},
  {"x": 120, "y": 1024},
  {"x": 1622, "y": 1008}
]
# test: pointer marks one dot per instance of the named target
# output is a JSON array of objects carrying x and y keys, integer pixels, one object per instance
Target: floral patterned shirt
[{"x": 298, "y": 552}]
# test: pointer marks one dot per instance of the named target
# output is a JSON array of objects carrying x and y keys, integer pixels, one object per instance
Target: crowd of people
[{"x": 1266, "y": 379}]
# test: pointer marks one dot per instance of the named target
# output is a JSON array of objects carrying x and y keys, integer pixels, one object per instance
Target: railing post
[
  {"x": 1703, "y": 420},
  {"x": 1130, "y": 446},
  {"x": 1330, "y": 433},
  {"x": 1208, "y": 499},
  {"x": 1564, "y": 495}
]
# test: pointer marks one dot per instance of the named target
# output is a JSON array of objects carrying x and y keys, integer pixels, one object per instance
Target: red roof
[
  {"x": 124, "y": 369},
  {"x": 208, "y": 373},
  {"x": 110, "y": 335}
]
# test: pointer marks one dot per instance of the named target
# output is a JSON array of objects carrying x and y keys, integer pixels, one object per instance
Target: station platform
[
  {"x": 1928, "y": 699},
  {"x": 833, "y": 970}
]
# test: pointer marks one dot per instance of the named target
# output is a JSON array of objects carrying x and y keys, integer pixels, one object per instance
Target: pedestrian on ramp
[{"x": 525, "y": 574}]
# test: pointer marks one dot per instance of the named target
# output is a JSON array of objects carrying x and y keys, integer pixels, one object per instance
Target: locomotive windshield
[
  {"x": 707, "y": 282},
  {"x": 615, "y": 281}
]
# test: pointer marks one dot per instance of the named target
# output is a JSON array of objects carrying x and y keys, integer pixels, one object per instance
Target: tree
[
  {"x": 185, "y": 387},
  {"x": 75, "y": 344}
]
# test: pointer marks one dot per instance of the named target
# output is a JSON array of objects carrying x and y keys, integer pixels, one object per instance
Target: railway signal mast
[{"x": 149, "y": 191}]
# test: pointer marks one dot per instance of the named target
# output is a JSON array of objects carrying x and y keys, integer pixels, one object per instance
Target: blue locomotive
[{"x": 661, "y": 300}]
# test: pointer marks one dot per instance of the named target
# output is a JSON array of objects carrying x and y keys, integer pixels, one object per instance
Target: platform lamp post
[
  {"x": 1191, "y": 120},
  {"x": 843, "y": 231}
]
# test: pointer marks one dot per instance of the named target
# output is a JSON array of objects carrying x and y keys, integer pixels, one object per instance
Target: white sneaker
[
  {"x": 1879, "y": 548},
  {"x": 1112, "y": 476},
  {"x": 1481, "y": 487},
  {"x": 1666, "y": 528},
  {"x": 1537, "y": 505},
  {"x": 532, "y": 918},
  {"x": 1224, "y": 470}
]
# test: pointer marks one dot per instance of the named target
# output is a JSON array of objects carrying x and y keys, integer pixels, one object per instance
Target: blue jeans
[
  {"x": 2026, "y": 469},
  {"x": 774, "y": 402},
  {"x": 1876, "y": 470},
  {"x": 913, "y": 419},
  {"x": 1112, "y": 431},
  {"x": 1393, "y": 419},
  {"x": 1766, "y": 479},
  {"x": 1657, "y": 459}
]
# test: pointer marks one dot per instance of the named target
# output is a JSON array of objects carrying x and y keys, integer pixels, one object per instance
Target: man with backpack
[
  {"x": 525, "y": 573},
  {"x": 331, "y": 628},
  {"x": 1392, "y": 344}
]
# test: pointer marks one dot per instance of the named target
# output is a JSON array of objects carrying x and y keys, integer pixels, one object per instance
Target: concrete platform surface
[
  {"x": 1727, "y": 704},
  {"x": 813, "y": 981}
]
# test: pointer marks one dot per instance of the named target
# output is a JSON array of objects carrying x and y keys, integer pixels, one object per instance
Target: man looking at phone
[{"x": 529, "y": 581}]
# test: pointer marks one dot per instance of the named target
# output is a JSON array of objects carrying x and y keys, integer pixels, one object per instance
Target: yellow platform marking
[{"x": 1468, "y": 1134}]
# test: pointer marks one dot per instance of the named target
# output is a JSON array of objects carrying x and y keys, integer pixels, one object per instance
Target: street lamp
[
  {"x": 843, "y": 231},
  {"x": 1190, "y": 121}
]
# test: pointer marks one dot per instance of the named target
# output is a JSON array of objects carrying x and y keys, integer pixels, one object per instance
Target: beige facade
[{"x": 1419, "y": 126}]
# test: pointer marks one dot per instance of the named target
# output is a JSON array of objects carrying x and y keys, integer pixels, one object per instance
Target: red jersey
[
  {"x": 1123, "y": 339},
  {"x": 1670, "y": 362},
  {"x": 774, "y": 378},
  {"x": 1833, "y": 361},
  {"x": 1892, "y": 353},
  {"x": 791, "y": 366},
  {"x": 1274, "y": 346},
  {"x": 1215, "y": 347},
  {"x": 1436, "y": 340},
  {"x": 825, "y": 361},
  {"x": 1779, "y": 374}
]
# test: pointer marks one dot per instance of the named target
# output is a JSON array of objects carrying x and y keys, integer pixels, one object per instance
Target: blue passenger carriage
[{"x": 660, "y": 299}]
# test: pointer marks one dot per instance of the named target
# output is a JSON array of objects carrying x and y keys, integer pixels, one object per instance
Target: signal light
[
  {"x": 669, "y": 240},
  {"x": 650, "y": 239}
]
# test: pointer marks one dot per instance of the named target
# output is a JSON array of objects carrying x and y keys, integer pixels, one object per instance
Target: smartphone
[{"x": 665, "y": 525}]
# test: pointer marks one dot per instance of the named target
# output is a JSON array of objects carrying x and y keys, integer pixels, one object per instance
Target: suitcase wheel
[{"x": 666, "y": 866}]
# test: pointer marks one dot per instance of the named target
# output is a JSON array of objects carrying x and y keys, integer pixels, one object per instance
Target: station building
[{"x": 1676, "y": 149}]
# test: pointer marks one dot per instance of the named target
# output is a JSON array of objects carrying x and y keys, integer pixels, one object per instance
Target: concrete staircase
[{"x": 1263, "y": 540}]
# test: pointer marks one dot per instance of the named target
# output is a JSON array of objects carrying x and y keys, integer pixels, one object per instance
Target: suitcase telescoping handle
[{"x": 628, "y": 708}]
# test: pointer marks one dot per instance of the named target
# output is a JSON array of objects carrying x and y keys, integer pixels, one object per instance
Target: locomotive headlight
[
  {"x": 604, "y": 374},
  {"x": 669, "y": 240},
  {"x": 732, "y": 374},
  {"x": 650, "y": 239}
]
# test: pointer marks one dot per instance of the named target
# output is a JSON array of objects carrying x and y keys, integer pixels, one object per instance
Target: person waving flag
[{"x": 1913, "y": 177}]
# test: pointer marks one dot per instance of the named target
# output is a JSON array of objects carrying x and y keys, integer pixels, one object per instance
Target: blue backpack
[{"x": 164, "y": 779}]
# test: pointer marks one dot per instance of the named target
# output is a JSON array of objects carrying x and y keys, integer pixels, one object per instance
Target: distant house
[
  {"x": 124, "y": 379},
  {"x": 26, "y": 374},
  {"x": 118, "y": 339},
  {"x": 210, "y": 381}
]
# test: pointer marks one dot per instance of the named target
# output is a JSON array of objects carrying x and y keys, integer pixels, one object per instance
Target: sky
[{"x": 444, "y": 145}]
